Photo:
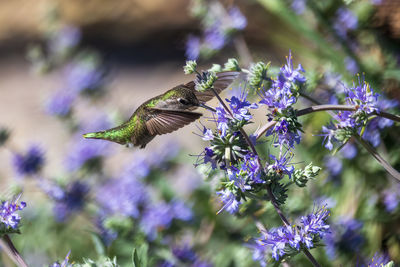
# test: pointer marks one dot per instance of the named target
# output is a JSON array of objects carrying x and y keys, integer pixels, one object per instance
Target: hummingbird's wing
[
  {"x": 165, "y": 121},
  {"x": 224, "y": 79}
]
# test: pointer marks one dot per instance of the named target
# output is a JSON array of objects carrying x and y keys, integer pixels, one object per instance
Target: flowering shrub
[{"x": 298, "y": 165}]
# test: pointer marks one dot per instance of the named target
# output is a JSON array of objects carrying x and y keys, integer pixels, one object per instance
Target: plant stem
[{"x": 11, "y": 251}]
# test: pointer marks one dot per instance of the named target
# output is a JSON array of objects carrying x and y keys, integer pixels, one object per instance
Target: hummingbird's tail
[{"x": 114, "y": 135}]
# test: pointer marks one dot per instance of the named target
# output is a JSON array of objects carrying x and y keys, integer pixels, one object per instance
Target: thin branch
[
  {"x": 379, "y": 158},
  {"x": 11, "y": 251}
]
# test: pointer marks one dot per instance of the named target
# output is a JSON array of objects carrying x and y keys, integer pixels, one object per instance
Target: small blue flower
[
  {"x": 71, "y": 200},
  {"x": 362, "y": 96},
  {"x": 65, "y": 39},
  {"x": 351, "y": 65},
  {"x": 64, "y": 263},
  {"x": 280, "y": 166},
  {"x": 279, "y": 239},
  {"x": 290, "y": 74},
  {"x": 207, "y": 134},
  {"x": 29, "y": 163},
  {"x": 240, "y": 107},
  {"x": 222, "y": 121},
  {"x": 298, "y": 6},
  {"x": 229, "y": 200},
  {"x": 123, "y": 196},
  {"x": 378, "y": 260},
  {"x": 345, "y": 20},
  {"x": 283, "y": 135},
  {"x": 214, "y": 37},
  {"x": 345, "y": 236},
  {"x": 193, "y": 46},
  {"x": 239, "y": 21},
  {"x": 333, "y": 164},
  {"x": 8, "y": 216},
  {"x": 60, "y": 104}
]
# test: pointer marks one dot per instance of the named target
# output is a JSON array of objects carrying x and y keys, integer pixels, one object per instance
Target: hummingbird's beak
[{"x": 206, "y": 107}]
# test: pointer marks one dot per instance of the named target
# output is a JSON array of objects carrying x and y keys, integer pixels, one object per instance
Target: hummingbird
[{"x": 164, "y": 113}]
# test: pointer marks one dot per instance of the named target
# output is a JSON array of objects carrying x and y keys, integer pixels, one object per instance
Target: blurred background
[{"x": 69, "y": 67}]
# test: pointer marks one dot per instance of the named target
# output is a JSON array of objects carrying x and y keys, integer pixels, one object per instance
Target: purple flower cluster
[
  {"x": 240, "y": 107},
  {"x": 160, "y": 215},
  {"x": 281, "y": 166},
  {"x": 29, "y": 163},
  {"x": 362, "y": 96},
  {"x": 9, "y": 217},
  {"x": 284, "y": 134},
  {"x": 64, "y": 40},
  {"x": 283, "y": 92},
  {"x": 345, "y": 237},
  {"x": 67, "y": 199},
  {"x": 186, "y": 255},
  {"x": 218, "y": 27},
  {"x": 286, "y": 238},
  {"x": 345, "y": 20},
  {"x": 229, "y": 200},
  {"x": 123, "y": 196}
]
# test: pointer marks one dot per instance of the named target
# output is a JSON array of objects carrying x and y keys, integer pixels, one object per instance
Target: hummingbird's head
[{"x": 186, "y": 99}]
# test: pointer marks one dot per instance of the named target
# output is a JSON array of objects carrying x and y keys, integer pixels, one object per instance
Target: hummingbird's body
[{"x": 163, "y": 114}]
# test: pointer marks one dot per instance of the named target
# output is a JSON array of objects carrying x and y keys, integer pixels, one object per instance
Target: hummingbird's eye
[{"x": 183, "y": 101}]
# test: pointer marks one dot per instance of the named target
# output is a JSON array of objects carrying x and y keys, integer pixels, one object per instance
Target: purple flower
[
  {"x": 222, "y": 121},
  {"x": 29, "y": 163},
  {"x": 280, "y": 166},
  {"x": 8, "y": 216},
  {"x": 298, "y": 6},
  {"x": 86, "y": 153},
  {"x": 64, "y": 263},
  {"x": 333, "y": 164},
  {"x": 123, "y": 196},
  {"x": 66, "y": 38},
  {"x": 251, "y": 168},
  {"x": 378, "y": 260},
  {"x": 362, "y": 96},
  {"x": 345, "y": 237},
  {"x": 208, "y": 157},
  {"x": 184, "y": 254},
  {"x": 160, "y": 216},
  {"x": 349, "y": 151},
  {"x": 284, "y": 135},
  {"x": 290, "y": 74},
  {"x": 85, "y": 75},
  {"x": 351, "y": 65},
  {"x": 60, "y": 103},
  {"x": 71, "y": 200},
  {"x": 192, "y": 47},
  {"x": 229, "y": 200},
  {"x": 345, "y": 20},
  {"x": 238, "y": 20},
  {"x": 214, "y": 37},
  {"x": 207, "y": 134},
  {"x": 240, "y": 107},
  {"x": 313, "y": 227},
  {"x": 278, "y": 98},
  {"x": 106, "y": 235}
]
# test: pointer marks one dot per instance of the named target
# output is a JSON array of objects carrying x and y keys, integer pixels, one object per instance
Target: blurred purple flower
[
  {"x": 192, "y": 47},
  {"x": 345, "y": 237},
  {"x": 349, "y": 151},
  {"x": 222, "y": 121},
  {"x": 333, "y": 164},
  {"x": 123, "y": 196},
  {"x": 107, "y": 235},
  {"x": 63, "y": 40},
  {"x": 214, "y": 37},
  {"x": 160, "y": 216},
  {"x": 8, "y": 216},
  {"x": 29, "y": 163},
  {"x": 86, "y": 153},
  {"x": 60, "y": 103},
  {"x": 85, "y": 75},
  {"x": 298, "y": 6},
  {"x": 239, "y": 21},
  {"x": 378, "y": 260},
  {"x": 64, "y": 263},
  {"x": 351, "y": 65},
  {"x": 72, "y": 198},
  {"x": 345, "y": 20}
]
